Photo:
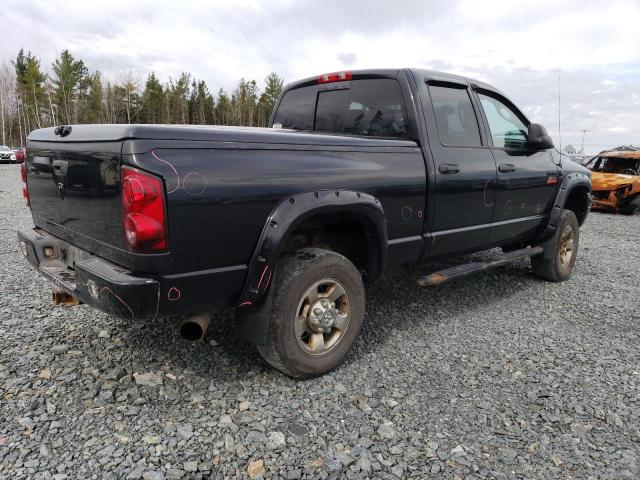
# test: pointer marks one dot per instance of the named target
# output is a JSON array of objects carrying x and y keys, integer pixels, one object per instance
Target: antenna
[{"x": 559, "y": 131}]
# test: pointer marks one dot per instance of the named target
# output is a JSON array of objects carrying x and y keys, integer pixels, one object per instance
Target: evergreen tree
[
  {"x": 273, "y": 87},
  {"x": 152, "y": 101},
  {"x": 178, "y": 99},
  {"x": 93, "y": 112},
  {"x": 223, "y": 109},
  {"x": 70, "y": 81},
  {"x": 201, "y": 104},
  {"x": 30, "y": 91},
  {"x": 244, "y": 100}
]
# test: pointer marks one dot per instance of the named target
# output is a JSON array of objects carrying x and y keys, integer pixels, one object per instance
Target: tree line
[{"x": 69, "y": 93}]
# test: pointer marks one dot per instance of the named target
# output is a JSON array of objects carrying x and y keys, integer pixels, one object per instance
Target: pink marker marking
[
  {"x": 266, "y": 284},
  {"x": 266, "y": 267},
  {"x": 173, "y": 294},
  {"x": 153, "y": 152},
  {"x": 121, "y": 301}
]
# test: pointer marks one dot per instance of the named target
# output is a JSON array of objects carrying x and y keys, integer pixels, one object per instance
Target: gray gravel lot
[{"x": 495, "y": 376}]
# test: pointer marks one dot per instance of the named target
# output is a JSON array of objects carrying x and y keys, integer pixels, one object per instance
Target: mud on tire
[
  {"x": 559, "y": 257},
  {"x": 304, "y": 339}
]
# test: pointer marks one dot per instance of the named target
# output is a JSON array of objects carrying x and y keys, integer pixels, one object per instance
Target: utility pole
[{"x": 582, "y": 147}]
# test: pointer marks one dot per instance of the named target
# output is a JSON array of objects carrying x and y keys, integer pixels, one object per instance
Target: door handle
[
  {"x": 506, "y": 168},
  {"x": 447, "y": 168}
]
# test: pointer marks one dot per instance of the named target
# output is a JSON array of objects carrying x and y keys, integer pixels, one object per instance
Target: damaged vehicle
[
  {"x": 362, "y": 173},
  {"x": 616, "y": 181}
]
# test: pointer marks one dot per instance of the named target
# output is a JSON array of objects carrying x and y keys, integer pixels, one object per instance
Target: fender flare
[
  {"x": 254, "y": 304},
  {"x": 569, "y": 182}
]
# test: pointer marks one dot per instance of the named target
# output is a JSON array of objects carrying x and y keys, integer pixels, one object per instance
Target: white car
[{"x": 7, "y": 155}]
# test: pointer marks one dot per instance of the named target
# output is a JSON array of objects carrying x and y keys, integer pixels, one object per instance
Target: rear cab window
[{"x": 365, "y": 107}]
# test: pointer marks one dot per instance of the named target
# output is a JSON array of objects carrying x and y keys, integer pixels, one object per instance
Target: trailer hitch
[{"x": 61, "y": 297}]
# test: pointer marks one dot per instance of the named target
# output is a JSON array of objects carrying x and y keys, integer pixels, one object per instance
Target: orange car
[{"x": 616, "y": 181}]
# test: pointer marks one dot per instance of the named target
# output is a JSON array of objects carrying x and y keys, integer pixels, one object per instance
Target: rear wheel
[
  {"x": 317, "y": 313},
  {"x": 560, "y": 251}
]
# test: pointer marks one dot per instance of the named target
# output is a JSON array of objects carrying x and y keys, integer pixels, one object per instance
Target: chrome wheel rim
[
  {"x": 566, "y": 246},
  {"x": 322, "y": 317}
]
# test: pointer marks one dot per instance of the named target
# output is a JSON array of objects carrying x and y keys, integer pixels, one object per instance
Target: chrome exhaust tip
[{"x": 194, "y": 327}]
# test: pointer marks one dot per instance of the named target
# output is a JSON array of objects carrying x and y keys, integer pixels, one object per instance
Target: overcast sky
[{"x": 520, "y": 47}]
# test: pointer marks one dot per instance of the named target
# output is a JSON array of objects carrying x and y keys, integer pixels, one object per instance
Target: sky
[{"x": 588, "y": 50}]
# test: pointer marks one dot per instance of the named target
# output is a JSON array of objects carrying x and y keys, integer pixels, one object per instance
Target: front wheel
[
  {"x": 317, "y": 312},
  {"x": 560, "y": 251}
]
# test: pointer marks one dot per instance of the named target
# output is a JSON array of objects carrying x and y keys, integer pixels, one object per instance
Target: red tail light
[
  {"x": 25, "y": 191},
  {"x": 335, "y": 77},
  {"x": 143, "y": 211},
  {"x": 20, "y": 156}
]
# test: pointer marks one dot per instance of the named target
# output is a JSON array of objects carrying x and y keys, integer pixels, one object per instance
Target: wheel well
[
  {"x": 578, "y": 202},
  {"x": 349, "y": 237}
]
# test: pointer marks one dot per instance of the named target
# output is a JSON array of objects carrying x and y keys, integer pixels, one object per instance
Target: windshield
[
  {"x": 4, "y": 148},
  {"x": 627, "y": 166}
]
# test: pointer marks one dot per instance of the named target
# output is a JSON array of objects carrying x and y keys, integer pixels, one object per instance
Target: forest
[{"x": 68, "y": 92}]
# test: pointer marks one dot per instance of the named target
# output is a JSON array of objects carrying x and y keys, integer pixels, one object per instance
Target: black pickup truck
[{"x": 361, "y": 173}]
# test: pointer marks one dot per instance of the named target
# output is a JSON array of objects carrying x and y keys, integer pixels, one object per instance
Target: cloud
[
  {"x": 347, "y": 59},
  {"x": 521, "y": 47}
]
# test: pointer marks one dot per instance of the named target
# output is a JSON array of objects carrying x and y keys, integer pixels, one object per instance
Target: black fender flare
[
  {"x": 254, "y": 304},
  {"x": 569, "y": 182}
]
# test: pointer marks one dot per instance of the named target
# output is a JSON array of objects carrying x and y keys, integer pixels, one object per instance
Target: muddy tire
[
  {"x": 556, "y": 263},
  {"x": 317, "y": 312}
]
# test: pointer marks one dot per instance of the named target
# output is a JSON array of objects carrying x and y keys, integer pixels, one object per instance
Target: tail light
[
  {"x": 25, "y": 191},
  {"x": 143, "y": 211},
  {"x": 20, "y": 156},
  {"x": 335, "y": 77}
]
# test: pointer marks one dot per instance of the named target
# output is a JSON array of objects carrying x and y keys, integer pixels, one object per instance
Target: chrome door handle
[
  {"x": 506, "y": 168},
  {"x": 448, "y": 168}
]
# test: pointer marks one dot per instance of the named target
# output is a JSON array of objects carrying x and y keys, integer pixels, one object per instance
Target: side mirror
[{"x": 539, "y": 139}]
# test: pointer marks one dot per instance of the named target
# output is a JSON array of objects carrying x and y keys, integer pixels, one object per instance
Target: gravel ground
[{"x": 496, "y": 376}]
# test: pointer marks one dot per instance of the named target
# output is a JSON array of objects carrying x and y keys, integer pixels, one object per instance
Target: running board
[{"x": 475, "y": 267}]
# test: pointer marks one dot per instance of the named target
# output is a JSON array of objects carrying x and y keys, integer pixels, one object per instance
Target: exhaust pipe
[{"x": 194, "y": 327}]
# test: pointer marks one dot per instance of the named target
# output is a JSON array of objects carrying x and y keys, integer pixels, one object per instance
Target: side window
[
  {"x": 296, "y": 109},
  {"x": 456, "y": 121},
  {"x": 507, "y": 130}
]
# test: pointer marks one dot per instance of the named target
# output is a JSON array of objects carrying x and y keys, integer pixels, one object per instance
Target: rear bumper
[{"x": 93, "y": 281}]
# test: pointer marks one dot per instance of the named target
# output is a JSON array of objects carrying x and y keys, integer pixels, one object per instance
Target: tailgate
[{"x": 74, "y": 188}]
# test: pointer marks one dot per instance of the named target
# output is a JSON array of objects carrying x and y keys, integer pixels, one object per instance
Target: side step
[{"x": 460, "y": 271}]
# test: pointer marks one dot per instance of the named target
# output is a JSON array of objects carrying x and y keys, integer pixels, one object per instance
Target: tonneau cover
[{"x": 110, "y": 133}]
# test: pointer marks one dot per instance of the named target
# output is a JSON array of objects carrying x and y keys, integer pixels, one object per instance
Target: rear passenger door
[
  {"x": 527, "y": 178},
  {"x": 465, "y": 171}
]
